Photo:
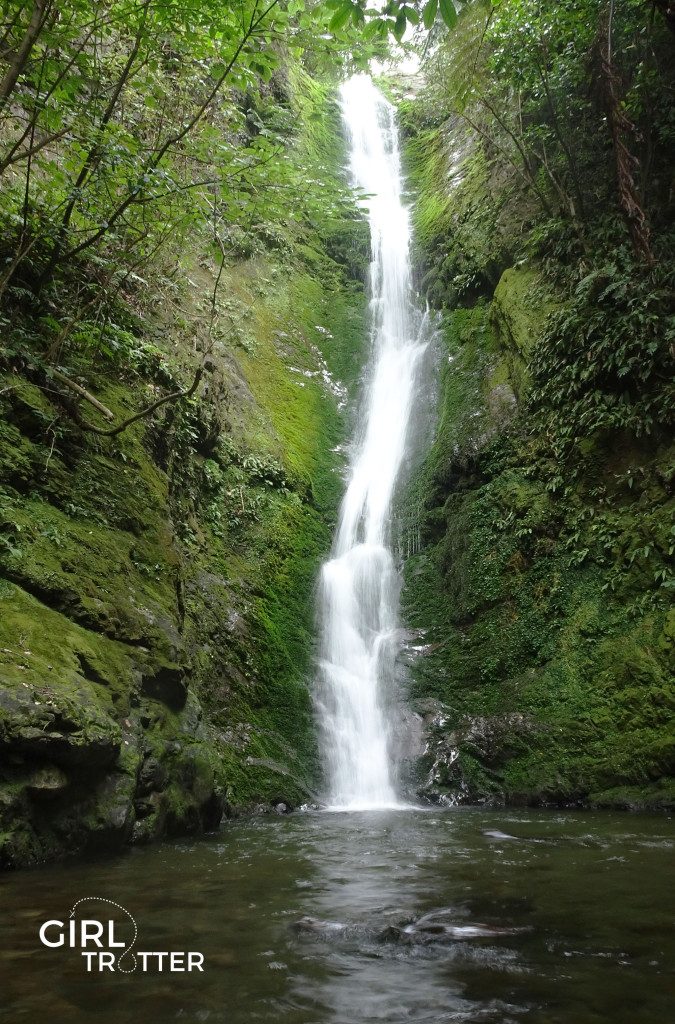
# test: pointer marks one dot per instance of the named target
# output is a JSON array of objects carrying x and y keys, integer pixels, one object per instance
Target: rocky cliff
[
  {"x": 541, "y": 520},
  {"x": 156, "y": 599}
]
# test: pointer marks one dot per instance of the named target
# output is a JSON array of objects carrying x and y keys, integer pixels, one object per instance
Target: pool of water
[{"x": 415, "y": 916}]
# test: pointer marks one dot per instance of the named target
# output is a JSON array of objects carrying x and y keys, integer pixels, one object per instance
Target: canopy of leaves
[
  {"x": 394, "y": 16},
  {"x": 122, "y": 123}
]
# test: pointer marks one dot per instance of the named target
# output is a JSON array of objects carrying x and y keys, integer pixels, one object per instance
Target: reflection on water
[{"x": 458, "y": 916}]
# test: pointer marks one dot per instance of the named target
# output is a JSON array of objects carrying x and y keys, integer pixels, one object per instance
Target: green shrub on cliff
[{"x": 543, "y": 578}]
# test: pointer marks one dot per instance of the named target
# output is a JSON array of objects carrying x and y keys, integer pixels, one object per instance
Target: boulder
[{"x": 47, "y": 783}]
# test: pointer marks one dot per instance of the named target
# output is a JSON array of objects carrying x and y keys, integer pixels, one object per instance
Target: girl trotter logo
[
  {"x": 110, "y": 957},
  {"x": 103, "y": 937}
]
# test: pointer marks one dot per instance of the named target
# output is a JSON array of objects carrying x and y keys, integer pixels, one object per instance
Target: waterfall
[{"x": 360, "y": 584}]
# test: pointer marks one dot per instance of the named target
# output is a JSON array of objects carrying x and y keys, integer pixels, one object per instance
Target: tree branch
[
  {"x": 35, "y": 25},
  {"x": 82, "y": 392},
  {"x": 173, "y": 397}
]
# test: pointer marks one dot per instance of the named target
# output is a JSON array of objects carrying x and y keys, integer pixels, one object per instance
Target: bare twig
[
  {"x": 173, "y": 397},
  {"x": 82, "y": 392}
]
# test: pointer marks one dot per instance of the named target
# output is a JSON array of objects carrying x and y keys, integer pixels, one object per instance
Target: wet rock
[
  {"x": 152, "y": 777},
  {"x": 314, "y": 926},
  {"x": 499, "y": 836},
  {"x": 282, "y": 808},
  {"x": 212, "y": 811},
  {"x": 492, "y": 738},
  {"x": 167, "y": 684},
  {"x": 437, "y": 927},
  {"x": 146, "y": 807},
  {"x": 111, "y": 820},
  {"x": 462, "y": 759},
  {"x": 495, "y": 833},
  {"x": 150, "y": 818},
  {"x": 47, "y": 783},
  {"x": 456, "y": 933},
  {"x": 57, "y": 729},
  {"x": 442, "y": 927}
]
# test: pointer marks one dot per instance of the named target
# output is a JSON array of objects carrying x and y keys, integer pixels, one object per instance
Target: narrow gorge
[{"x": 336, "y": 517}]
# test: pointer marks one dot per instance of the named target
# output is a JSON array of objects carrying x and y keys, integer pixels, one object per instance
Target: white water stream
[{"x": 360, "y": 584}]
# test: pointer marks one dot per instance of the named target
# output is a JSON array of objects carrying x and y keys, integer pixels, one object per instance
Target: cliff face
[
  {"x": 544, "y": 676},
  {"x": 156, "y": 600},
  {"x": 539, "y": 583}
]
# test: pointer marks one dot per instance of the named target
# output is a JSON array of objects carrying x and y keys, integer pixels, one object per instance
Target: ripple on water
[{"x": 565, "y": 921}]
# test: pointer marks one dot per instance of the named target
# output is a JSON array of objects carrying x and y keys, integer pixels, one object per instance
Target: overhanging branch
[{"x": 142, "y": 414}]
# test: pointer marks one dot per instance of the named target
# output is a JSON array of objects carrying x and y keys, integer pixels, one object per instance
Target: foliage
[
  {"x": 544, "y": 608},
  {"x": 128, "y": 128},
  {"x": 605, "y": 358},
  {"x": 542, "y": 572},
  {"x": 513, "y": 162},
  {"x": 394, "y": 16},
  {"x": 531, "y": 82}
]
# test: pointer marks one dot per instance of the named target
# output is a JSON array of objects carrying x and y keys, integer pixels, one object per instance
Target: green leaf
[
  {"x": 448, "y": 12},
  {"x": 371, "y": 29},
  {"x": 429, "y": 13},
  {"x": 340, "y": 18},
  {"x": 399, "y": 26}
]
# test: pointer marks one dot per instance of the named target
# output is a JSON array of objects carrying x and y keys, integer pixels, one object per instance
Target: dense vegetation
[
  {"x": 541, "y": 151},
  {"x": 182, "y": 309},
  {"x": 181, "y": 301}
]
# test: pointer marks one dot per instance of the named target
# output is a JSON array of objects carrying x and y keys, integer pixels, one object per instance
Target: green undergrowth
[
  {"x": 157, "y": 591},
  {"x": 543, "y": 601}
]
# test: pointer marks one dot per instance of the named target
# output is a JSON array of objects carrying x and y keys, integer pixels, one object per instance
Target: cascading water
[{"x": 359, "y": 584}]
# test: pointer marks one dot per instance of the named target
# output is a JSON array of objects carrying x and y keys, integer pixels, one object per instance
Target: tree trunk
[
  {"x": 626, "y": 164},
  {"x": 22, "y": 53}
]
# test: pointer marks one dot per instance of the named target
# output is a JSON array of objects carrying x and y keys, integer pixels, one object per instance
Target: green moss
[
  {"x": 42, "y": 652},
  {"x": 158, "y": 587},
  {"x": 518, "y": 315},
  {"x": 106, "y": 578},
  {"x": 459, "y": 241},
  {"x": 513, "y": 588},
  {"x": 520, "y": 307},
  {"x": 285, "y": 371}
]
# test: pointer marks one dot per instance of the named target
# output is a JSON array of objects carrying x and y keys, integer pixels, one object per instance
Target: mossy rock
[{"x": 157, "y": 587}]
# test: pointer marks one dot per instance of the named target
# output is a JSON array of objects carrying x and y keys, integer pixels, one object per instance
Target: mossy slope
[
  {"x": 156, "y": 603},
  {"x": 540, "y": 586}
]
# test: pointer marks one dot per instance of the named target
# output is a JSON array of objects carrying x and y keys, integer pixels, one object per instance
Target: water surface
[{"x": 585, "y": 899}]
